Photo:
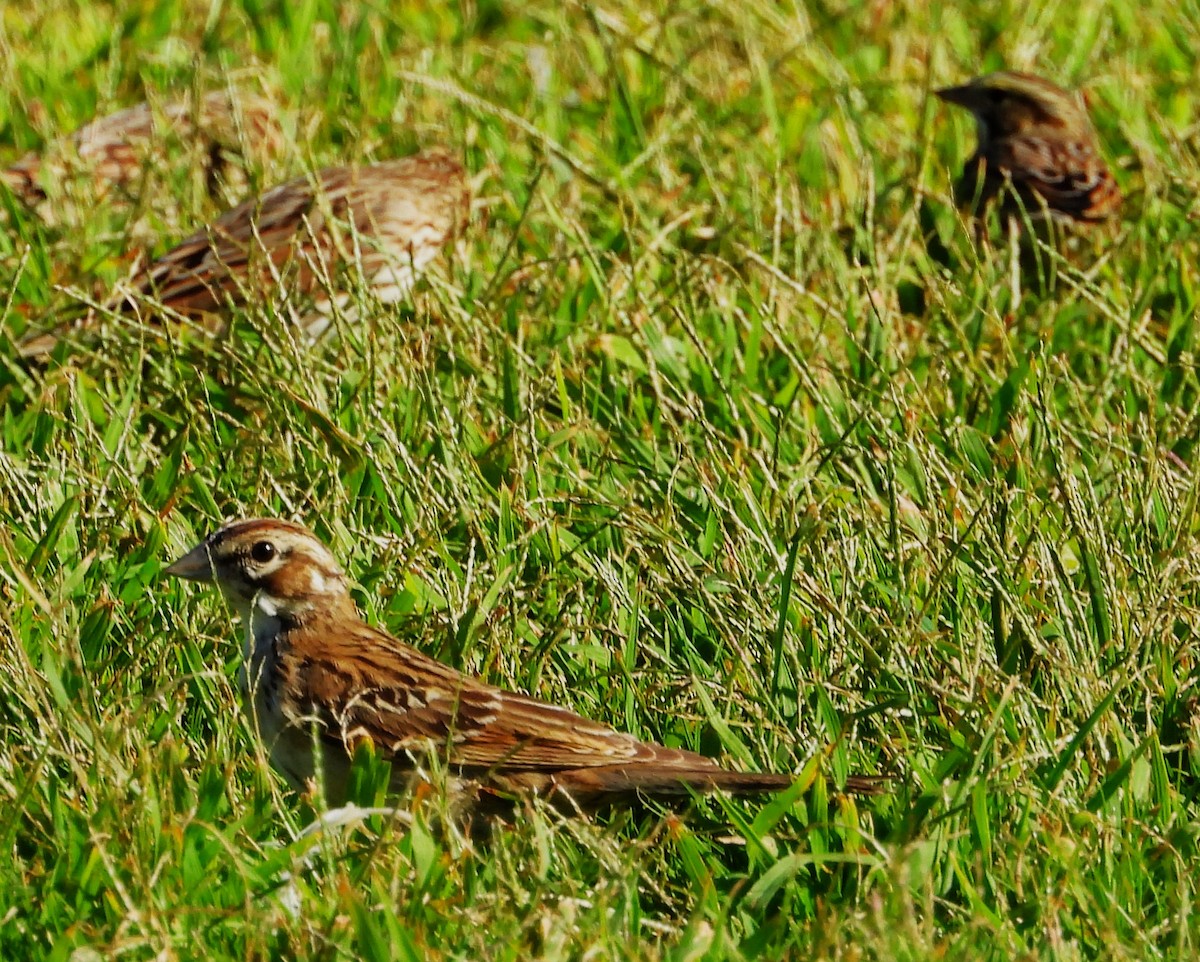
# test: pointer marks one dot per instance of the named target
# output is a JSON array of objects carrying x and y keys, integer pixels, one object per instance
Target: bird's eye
[{"x": 262, "y": 552}]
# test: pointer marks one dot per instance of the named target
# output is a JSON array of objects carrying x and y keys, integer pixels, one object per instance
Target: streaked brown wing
[
  {"x": 116, "y": 148},
  {"x": 23, "y": 179},
  {"x": 218, "y": 263},
  {"x": 426, "y": 706},
  {"x": 132, "y": 125},
  {"x": 1070, "y": 177},
  {"x": 377, "y": 215}
]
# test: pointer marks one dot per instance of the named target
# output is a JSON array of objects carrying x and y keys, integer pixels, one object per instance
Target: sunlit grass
[{"x": 719, "y": 427}]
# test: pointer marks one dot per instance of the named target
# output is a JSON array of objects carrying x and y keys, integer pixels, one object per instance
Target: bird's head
[
  {"x": 279, "y": 567},
  {"x": 1008, "y": 103}
]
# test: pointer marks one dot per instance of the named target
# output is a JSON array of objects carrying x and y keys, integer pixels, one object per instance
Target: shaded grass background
[{"x": 718, "y": 428}]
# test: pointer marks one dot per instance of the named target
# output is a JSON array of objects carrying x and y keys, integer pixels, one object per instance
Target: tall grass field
[{"x": 719, "y": 425}]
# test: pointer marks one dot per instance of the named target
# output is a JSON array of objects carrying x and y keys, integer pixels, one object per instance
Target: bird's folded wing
[
  {"x": 409, "y": 704},
  {"x": 216, "y": 263},
  {"x": 1070, "y": 176}
]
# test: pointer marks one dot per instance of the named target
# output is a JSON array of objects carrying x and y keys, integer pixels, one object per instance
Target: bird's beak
[
  {"x": 963, "y": 96},
  {"x": 195, "y": 565}
]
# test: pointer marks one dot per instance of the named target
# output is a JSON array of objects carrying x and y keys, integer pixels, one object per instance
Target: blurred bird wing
[
  {"x": 1072, "y": 178},
  {"x": 23, "y": 178},
  {"x": 217, "y": 263},
  {"x": 397, "y": 213}
]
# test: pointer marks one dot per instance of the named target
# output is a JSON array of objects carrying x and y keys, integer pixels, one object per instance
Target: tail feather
[{"x": 612, "y": 782}]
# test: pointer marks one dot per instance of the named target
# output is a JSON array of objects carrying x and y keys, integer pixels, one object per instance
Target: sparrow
[
  {"x": 318, "y": 679},
  {"x": 1037, "y": 151},
  {"x": 391, "y": 218},
  {"x": 119, "y": 150}
]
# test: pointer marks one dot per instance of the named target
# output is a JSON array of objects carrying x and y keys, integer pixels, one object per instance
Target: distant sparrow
[
  {"x": 391, "y": 219},
  {"x": 1037, "y": 150},
  {"x": 118, "y": 151},
  {"x": 319, "y": 679}
]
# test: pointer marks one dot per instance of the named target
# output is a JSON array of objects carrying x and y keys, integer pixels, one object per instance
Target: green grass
[{"x": 720, "y": 429}]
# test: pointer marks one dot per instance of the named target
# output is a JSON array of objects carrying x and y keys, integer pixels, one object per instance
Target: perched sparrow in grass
[
  {"x": 320, "y": 679},
  {"x": 119, "y": 151},
  {"x": 391, "y": 219},
  {"x": 1037, "y": 150},
  {"x": 388, "y": 220}
]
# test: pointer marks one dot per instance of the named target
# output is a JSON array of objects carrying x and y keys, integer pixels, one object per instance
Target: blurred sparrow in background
[
  {"x": 1037, "y": 150},
  {"x": 116, "y": 154},
  {"x": 320, "y": 679},
  {"x": 390, "y": 219}
]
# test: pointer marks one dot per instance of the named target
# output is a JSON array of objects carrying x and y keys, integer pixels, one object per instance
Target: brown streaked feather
[
  {"x": 115, "y": 150},
  {"x": 361, "y": 682},
  {"x": 112, "y": 159},
  {"x": 396, "y": 215},
  {"x": 590, "y": 785},
  {"x": 1068, "y": 179},
  {"x": 391, "y": 218},
  {"x": 23, "y": 180}
]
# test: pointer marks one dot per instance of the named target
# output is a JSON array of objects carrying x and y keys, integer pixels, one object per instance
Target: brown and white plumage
[
  {"x": 1037, "y": 150},
  {"x": 390, "y": 218},
  {"x": 117, "y": 152},
  {"x": 317, "y": 673}
]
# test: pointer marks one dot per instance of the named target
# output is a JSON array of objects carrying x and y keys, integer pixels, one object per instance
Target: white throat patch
[{"x": 266, "y": 604}]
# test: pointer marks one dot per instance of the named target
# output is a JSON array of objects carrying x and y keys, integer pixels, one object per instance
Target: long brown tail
[{"x": 650, "y": 781}]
